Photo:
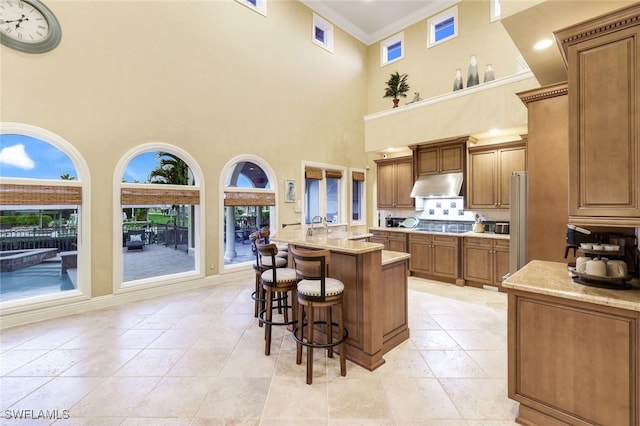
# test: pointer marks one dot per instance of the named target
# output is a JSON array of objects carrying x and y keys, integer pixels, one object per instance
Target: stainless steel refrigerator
[{"x": 518, "y": 222}]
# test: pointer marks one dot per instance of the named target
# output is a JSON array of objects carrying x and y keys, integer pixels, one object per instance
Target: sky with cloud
[{"x": 27, "y": 157}]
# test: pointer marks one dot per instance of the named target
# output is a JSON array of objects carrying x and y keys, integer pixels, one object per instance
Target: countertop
[
  {"x": 454, "y": 234},
  {"x": 389, "y": 257},
  {"x": 345, "y": 242},
  {"x": 553, "y": 279}
]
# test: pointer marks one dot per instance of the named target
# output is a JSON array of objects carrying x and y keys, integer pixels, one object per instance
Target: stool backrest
[
  {"x": 267, "y": 250},
  {"x": 311, "y": 265}
]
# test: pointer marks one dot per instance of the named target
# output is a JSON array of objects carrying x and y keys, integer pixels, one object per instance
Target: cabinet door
[
  {"x": 427, "y": 161},
  {"x": 451, "y": 159},
  {"x": 482, "y": 180},
  {"x": 478, "y": 261},
  {"x": 421, "y": 257},
  {"x": 500, "y": 260},
  {"x": 386, "y": 184},
  {"x": 398, "y": 241},
  {"x": 604, "y": 108},
  {"x": 509, "y": 160},
  {"x": 404, "y": 183},
  {"x": 379, "y": 237},
  {"x": 445, "y": 260}
]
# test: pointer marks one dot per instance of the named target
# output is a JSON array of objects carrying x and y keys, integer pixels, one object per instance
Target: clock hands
[{"x": 19, "y": 21}]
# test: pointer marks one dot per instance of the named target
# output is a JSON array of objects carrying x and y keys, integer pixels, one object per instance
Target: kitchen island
[
  {"x": 375, "y": 294},
  {"x": 573, "y": 350}
]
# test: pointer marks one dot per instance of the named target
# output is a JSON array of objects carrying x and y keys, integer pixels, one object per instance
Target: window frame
[
  {"x": 435, "y": 20},
  {"x": 120, "y": 286},
  {"x": 322, "y": 207},
  {"x": 384, "y": 49},
  {"x": 496, "y": 10},
  {"x": 327, "y": 28},
  {"x": 363, "y": 198},
  {"x": 82, "y": 293},
  {"x": 260, "y": 6}
]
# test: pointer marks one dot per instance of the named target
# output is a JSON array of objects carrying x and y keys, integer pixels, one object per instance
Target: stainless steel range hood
[{"x": 442, "y": 185}]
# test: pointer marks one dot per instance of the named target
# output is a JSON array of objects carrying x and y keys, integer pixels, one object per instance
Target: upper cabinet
[
  {"x": 395, "y": 180},
  {"x": 440, "y": 157},
  {"x": 489, "y": 174},
  {"x": 603, "y": 63}
]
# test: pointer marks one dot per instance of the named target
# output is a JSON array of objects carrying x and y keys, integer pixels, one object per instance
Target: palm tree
[
  {"x": 396, "y": 86},
  {"x": 171, "y": 169},
  {"x": 67, "y": 176}
]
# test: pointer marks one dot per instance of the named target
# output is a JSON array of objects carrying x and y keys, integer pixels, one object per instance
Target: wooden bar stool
[
  {"x": 316, "y": 291},
  {"x": 261, "y": 264},
  {"x": 277, "y": 283}
]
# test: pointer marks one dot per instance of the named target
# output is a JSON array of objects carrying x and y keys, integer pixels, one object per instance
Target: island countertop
[
  {"x": 553, "y": 279},
  {"x": 345, "y": 242}
]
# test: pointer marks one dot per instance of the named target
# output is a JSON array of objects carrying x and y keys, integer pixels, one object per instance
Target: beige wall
[
  {"x": 211, "y": 77},
  {"x": 431, "y": 70}
]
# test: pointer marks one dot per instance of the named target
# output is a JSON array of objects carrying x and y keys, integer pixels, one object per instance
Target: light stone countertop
[
  {"x": 389, "y": 257},
  {"x": 553, "y": 279},
  {"x": 345, "y": 242},
  {"x": 454, "y": 234}
]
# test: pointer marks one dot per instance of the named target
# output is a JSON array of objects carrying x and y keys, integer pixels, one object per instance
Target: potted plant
[{"x": 396, "y": 86}]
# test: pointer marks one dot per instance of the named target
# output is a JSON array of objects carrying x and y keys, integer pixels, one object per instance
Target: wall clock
[{"x": 28, "y": 26}]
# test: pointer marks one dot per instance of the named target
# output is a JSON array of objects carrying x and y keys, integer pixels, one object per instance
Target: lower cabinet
[
  {"x": 392, "y": 240},
  {"x": 485, "y": 261},
  {"x": 434, "y": 256},
  {"x": 572, "y": 362}
]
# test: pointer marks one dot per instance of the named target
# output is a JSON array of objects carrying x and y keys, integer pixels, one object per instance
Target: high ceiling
[{"x": 373, "y": 20}]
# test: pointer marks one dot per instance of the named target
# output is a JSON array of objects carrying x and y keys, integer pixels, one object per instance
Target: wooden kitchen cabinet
[
  {"x": 392, "y": 240},
  {"x": 547, "y": 175},
  {"x": 489, "y": 173},
  {"x": 603, "y": 67},
  {"x": 440, "y": 158},
  {"x": 572, "y": 363},
  {"x": 395, "y": 181},
  {"x": 485, "y": 261},
  {"x": 434, "y": 256}
]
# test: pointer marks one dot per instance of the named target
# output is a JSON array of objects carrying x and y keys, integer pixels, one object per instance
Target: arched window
[
  {"x": 43, "y": 234},
  {"x": 158, "y": 216},
  {"x": 249, "y": 205}
]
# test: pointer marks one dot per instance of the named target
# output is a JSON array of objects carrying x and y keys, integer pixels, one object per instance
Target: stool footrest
[
  {"x": 264, "y": 321},
  {"x": 345, "y": 336}
]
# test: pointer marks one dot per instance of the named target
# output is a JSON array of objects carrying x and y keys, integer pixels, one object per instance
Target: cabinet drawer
[
  {"x": 445, "y": 240},
  {"x": 501, "y": 244},
  {"x": 420, "y": 238},
  {"x": 480, "y": 242},
  {"x": 379, "y": 233}
]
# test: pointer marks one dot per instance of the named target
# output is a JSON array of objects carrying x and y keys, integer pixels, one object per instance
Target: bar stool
[
  {"x": 261, "y": 265},
  {"x": 317, "y": 291},
  {"x": 276, "y": 284}
]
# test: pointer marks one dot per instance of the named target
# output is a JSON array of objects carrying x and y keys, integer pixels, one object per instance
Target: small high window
[
  {"x": 322, "y": 33},
  {"x": 443, "y": 26},
  {"x": 392, "y": 49},
  {"x": 495, "y": 10},
  {"x": 259, "y": 6}
]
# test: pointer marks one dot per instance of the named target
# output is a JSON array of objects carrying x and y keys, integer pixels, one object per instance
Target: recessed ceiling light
[
  {"x": 494, "y": 132},
  {"x": 543, "y": 44}
]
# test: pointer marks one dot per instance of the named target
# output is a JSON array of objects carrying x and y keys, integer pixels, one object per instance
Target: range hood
[{"x": 442, "y": 185}]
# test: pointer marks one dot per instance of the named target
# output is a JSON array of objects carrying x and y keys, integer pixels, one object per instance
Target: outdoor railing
[{"x": 62, "y": 238}]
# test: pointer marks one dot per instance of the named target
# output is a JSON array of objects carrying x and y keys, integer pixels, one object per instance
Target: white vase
[
  {"x": 489, "y": 73},
  {"x": 473, "y": 78},
  {"x": 457, "y": 80}
]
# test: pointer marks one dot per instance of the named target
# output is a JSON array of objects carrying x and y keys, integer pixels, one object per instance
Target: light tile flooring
[{"x": 197, "y": 358}]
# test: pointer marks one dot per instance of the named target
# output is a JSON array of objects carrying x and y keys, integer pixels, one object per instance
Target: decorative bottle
[
  {"x": 473, "y": 79},
  {"x": 489, "y": 73},
  {"x": 457, "y": 80}
]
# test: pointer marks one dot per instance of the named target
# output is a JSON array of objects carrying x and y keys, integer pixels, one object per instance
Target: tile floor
[{"x": 196, "y": 358}]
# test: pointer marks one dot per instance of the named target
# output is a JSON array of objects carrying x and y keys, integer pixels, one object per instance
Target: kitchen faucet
[{"x": 313, "y": 221}]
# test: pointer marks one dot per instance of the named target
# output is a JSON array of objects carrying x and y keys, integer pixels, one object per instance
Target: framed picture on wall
[{"x": 289, "y": 191}]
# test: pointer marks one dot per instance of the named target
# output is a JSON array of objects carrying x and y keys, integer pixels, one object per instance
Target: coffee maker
[{"x": 577, "y": 235}]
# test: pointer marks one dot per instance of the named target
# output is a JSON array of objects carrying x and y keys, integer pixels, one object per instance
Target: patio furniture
[{"x": 135, "y": 240}]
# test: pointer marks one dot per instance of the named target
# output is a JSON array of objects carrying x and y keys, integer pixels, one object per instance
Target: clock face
[{"x": 28, "y": 26}]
